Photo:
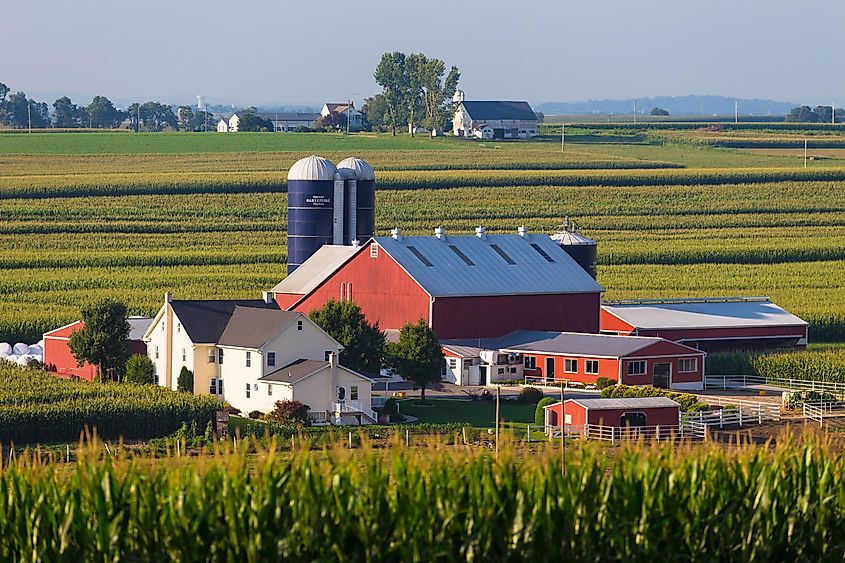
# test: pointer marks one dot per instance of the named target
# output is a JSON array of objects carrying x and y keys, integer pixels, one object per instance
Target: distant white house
[
  {"x": 356, "y": 118},
  {"x": 250, "y": 354},
  {"x": 229, "y": 125},
  {"x": 493, "y": 119}
]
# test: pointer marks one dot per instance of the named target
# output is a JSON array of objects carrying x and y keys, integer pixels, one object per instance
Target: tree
[
  {"x": 157, "y": 117},
  {"x": 16, "y": 109},
  {"x": 103, "y": 114},
  {"x": 658, "y": 111},
  {"x": 4, "y": 90},
  {"x": 103, "y": 340},
  {"x": 252, "y": 122},
  {"x": 540, "y": 116},
  {"x": 67, "y": 114},
  {"x": 140, "y": 370},
  {"x": 415, "y": 64},
  {"x": 202, "y": 121},
  {"x": 437, "y": 93},
  {"x": 185, "y": 381},
  {"x": 185, "y": 117},
  {"x": 391, "y": 75},
  {"x": 39, "y": 113},
  {"x": 417, "y": 356},
  {"x": 802, "y": 114},
  {"x": 375, "y": 110},
  {"x": 287, "y": 412},
  {"x": 363, "y": 343},
  {"x": 823, "y": 114}
]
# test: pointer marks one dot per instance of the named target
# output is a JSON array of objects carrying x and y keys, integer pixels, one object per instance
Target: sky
[{"x": 276, "y": 52}]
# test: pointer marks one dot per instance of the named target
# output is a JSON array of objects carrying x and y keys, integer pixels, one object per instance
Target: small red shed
[
  {"x": 58, "y": 357},
  {"x": 618, "y": 413}
]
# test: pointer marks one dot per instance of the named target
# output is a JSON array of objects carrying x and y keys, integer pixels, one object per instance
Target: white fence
[
  {"x": 741, "y": 414},
  {"x": 615, "y": 434},
  {"x": 781, "y": 383},
  {"x": 824, "y": 411},
  {"x": 541, "y": 381}
]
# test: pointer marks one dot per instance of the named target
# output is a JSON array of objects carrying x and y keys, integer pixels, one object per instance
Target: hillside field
[{"x": 204, "y": 215}]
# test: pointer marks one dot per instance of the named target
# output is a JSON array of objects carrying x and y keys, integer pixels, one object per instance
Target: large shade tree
[
  {"x": 417, "y": 356},
  {"x": 103, "y": 340},
  {"x": 363, "y": 343}
]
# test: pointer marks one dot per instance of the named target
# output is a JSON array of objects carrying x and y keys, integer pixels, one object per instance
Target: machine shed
[
  {"x": 619, "y": 413},
  {"x": 711, "y": 324}
]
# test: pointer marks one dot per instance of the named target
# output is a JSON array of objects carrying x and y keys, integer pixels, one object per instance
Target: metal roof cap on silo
[
  {"x": 573, "y": 239},
  {"x": 312, "y": 168},
  {"x": 363, "y": 171}
]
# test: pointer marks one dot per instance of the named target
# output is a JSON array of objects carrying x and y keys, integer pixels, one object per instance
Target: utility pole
[
  {"x": 736, "y": 111},
  {"x": 562, "y": 433},
  {"x": 498, "y": 398},
  {"x": 29, "y": 114},
  {"x": 833, "y": 113},
  {"x": 562, "y": 136},
  {"x": 205, "y": 121},
  {"x": 138, "y": 126},
  {"x": 635, "y": 110},
  {"x": 805, "y": 153}
]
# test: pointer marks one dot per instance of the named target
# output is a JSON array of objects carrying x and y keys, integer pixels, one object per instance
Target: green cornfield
[
  {"x": 636, "y": 503},
  {"x": 36, "y": 407}
]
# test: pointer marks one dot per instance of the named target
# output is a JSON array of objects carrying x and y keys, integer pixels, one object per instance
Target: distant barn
[{"x": 493, "y": 119}]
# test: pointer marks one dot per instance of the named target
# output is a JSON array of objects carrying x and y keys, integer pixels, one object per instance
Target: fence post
[
  {"x": 740, "y": 417},
  {"x": 759, "y": 414},
  {"x": 721, "y": 421},
  {"x": 529, "y": 433},
  {"x": 724, "y": 382},
  {"x": 657, "y": 429}
]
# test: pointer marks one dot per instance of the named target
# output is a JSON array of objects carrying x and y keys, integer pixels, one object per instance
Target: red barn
[
  {"x": 631, "y": 360},
  {"x": 463, "y": 286},
  {"x": 618, "y": 413},
  {"x": 709, "y": 324},
  {"x": 58, "y": 357}
]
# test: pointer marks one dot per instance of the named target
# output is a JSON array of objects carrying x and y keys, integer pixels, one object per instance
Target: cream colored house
[
  {"x": 229, "y": 125},
  {"x": 238, "y": 351}
]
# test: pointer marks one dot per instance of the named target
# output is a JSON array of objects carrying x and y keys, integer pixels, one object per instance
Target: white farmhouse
[
  {"x": 493, "y": 119},
  {"x": 251, "y": 354},
  {"x": 346, "y": 111},
  {"x": 229, "y": 125}
]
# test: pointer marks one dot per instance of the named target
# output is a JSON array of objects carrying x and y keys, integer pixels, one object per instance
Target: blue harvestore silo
[
  {"x": 310, "y": 208},
  {"x": 360, "y": 198}
]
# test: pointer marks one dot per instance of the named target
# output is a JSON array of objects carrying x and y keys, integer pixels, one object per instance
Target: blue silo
[
  {"x": 360, "y": 216},
  {"x": 310, "y": 208}
]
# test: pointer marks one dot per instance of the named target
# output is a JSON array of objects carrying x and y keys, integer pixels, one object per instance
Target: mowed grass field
[{"x": 204, "y": 215}]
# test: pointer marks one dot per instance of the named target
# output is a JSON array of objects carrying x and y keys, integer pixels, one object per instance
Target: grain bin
[
  {"x": 582, "y": 249},
  {"x": 360, "y": 216},
  {"x": 310, "y": 208}
]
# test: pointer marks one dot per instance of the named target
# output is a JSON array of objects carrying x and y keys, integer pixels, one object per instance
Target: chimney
[
  {"x": 333, "y": 371},
  {"x": 168, "y": 297},
  {"x": 480, "y": 232},
  {"x": 267, "y": 296},
  {"x": 440, "y": 233},
  {"x": 396, "y": 233},
  {"x": 523, "y": 231}
]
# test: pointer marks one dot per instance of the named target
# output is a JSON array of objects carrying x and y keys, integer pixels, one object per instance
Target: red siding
[
  {"x": 612, "y": 323},
  {"x": 655, "y": 416},
  {"x": 383, "y": 290},
  {"x": 727, "y": 333},
  {"x": 607, "y": 368},
  {"x": 57, "y": 355},
  {"x": 491, "y": 316}
]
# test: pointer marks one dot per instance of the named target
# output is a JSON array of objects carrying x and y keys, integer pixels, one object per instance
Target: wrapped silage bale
[
  {"x": 20, "y": 348},
  {"x": 35, "y": 350},
  {"x": 5, "y": 349},
  {"x": 40, "y": 344},
  {"x": 11, "y": 358},
  {"x": 23, "y": 360}
]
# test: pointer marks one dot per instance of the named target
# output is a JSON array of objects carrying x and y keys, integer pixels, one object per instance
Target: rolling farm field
[{"x": 204, "y": 215}]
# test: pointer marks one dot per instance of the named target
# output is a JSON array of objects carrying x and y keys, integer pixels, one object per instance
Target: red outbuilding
[
  {"x": 617, "y": 413},
  {"x": 631, "y": 360},
  {"x": 59, "y": 359},
  {"x": 477, "y": 286},
  {"x": 712, "y": 324}
]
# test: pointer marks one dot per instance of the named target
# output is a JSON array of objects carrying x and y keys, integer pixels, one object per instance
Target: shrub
[
  {"x": 185, "y": 381},
  {"x": 687, "y": 401},
  {"x": 286, "y": 412},
  {"x": 255, "y": 415},
  {"x": 603, "y": 382},
  {"x": 230, "y": 409},
  {"x": 530, "y": 395},
  {"x": 390, "y": 408},
  {"x": 140, "y": 370},
  {"x": 539, "y": 412},
  {"x": 729, "y": 363}
]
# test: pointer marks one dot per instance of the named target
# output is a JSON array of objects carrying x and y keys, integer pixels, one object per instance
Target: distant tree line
[
  {"x": 416, "y": 90},
  {"x": 819, "y": 114}
]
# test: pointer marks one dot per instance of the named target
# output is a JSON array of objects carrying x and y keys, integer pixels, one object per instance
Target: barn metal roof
[
  {"x": 249, "y": 327},
  {"x": 703, "y": 314},
  {"x": 316, "y": 269},
  {"x": 489, "y": 264},
  {"x": 626, "y": 403},
  {"x": 489, "y": 110},
  {"x": 138, "y": 327},
  {"x": 576, "y": 343}
]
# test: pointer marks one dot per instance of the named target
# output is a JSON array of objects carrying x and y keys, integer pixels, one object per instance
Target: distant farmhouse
[
  {"x": 339, "y": 112},
  {"x": 493, "y": 119},
  {"x": 282, "y": 122},
  {"x": 229, "y": 124}
]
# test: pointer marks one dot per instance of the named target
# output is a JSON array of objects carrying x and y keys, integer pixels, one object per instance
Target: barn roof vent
[
  {"x": 396, "y": 233},
  {"x": 440, "y": 233},
  {"x": 480, "y": 232},
  {"x": 523, "y": 231}
]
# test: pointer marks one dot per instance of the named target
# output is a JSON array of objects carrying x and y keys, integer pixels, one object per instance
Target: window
[
  {"x": 374, "y": 250},
  {"x": 687, "y": 365},
  {"x": 513, "y": 370},
  {"x": 353, "y": 393},
  {"x": 453, "y": 363},
  {"x": 269, "y": 389},
  {"x": 298, "y": 325},
  {"x": 156, "y": 352},
  {"x": 637, "y": 368},
  {"x": 247, "y": 391},
  {"x": 530, "y": 362},
  {"x": 420, "y": 256},
  {"x": 567, "y": 419},
  {"x": 341, "y": 393},
  {"x": 500, "y": 371},
  {"x": 570, "y": 366},
  {"x": 178, "y": 327},
  {"x": 502, "y": 253},
  {"x": 632, "y": 419},
  {"x": 461, "y": 255},
  {"x": 219, "y": 386},
  {"x": 541, "y": 252},
  {"x": 249, "y": 359},
  {"x": 212, "y": 386},
  {"x": 349, "y": 291},
  {"x": 271, "y": 359},
  {"x": 326, "y": 355},
  {"x": 220, "y": 356},
  {"x": 211, "y": 355},
  {"x": 184, "y": 355},
  {"x": 162, "y": 326},
  {"x": 591, "y": 367}
]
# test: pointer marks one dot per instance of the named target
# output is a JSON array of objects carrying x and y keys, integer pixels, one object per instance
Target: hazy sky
[{"x": 277, "y": 51}]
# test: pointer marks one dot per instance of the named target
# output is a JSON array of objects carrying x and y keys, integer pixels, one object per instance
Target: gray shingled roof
[
  {"x": 252, "y": 328},
  {"x": 295, "y": 371},
  {"x": 519, "y": 267},
  {"x": 205, "y": 321},
  {"x": 489, "y": 110}
]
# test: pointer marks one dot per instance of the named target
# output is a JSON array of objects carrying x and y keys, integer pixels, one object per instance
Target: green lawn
[{"x": 480, "y": 414}]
